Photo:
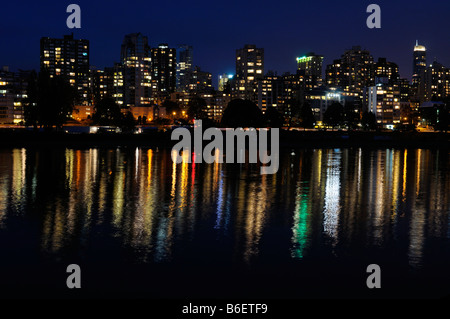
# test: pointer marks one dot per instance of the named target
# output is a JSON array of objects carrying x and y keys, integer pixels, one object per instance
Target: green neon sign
[{"x": 304, "y": 59}]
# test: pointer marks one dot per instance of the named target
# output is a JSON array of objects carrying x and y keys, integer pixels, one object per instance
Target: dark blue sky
[{"x": 285, "y": 29}]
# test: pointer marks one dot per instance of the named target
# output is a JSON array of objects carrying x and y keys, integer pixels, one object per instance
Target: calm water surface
[{"x": 140, "y": 225}]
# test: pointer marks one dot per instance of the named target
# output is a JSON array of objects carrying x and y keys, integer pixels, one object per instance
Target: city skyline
[
  {"x": 214, "y": 50},
  {"x": 266, "y": 70},
  {"x": 221, "y": 157},
  {"x": 146, "y": 77}
]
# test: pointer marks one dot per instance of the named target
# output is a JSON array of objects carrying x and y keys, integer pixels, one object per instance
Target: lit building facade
[
  {"x": 148, "y": 113},
  {"x": 184, "y": 67},
  {"x": 334, "y": 74},
  {"x": 114, "y": 83},
  {"x": 383, "y": 100},
  {"x": 68, "y": 57},
  {"x": 270, "y": 89},
  {"x": 182, "y": 98},
  {"x": 321, "y": 98},
  {"x": 405, "y": 89},
  {"x": 386, "y": 69},
  {"x": 352, "y": 73},
  {"x": 13, "y": 91},
  {"x": 435, "y": 83},
  {"x": 136, "y": 68},
  {"x": 310, "y": 67},
  {"x": 83, "y": 112},
  {"x": 109, "y": 83},
  {"x": 249, "y": 70},
  {"x": 279, "y": 91},
  {"x": 200, "y": 81},
  {"x": 224, "y": 80},
  {"x": 419, "y": 65},
  {"x": 164, "y": 68},
  {"x": 221, "y": 102}
]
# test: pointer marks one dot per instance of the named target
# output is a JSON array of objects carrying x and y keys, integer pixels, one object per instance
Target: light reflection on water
[{"x": 322, "y": 199}]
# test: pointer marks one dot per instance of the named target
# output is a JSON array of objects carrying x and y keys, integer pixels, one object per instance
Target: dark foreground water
[{"x": 141, "y": 226}]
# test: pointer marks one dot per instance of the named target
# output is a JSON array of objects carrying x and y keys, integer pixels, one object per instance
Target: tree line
[
  {"x": 51, "y": 99},
  {"x": 50, "y": 102}
]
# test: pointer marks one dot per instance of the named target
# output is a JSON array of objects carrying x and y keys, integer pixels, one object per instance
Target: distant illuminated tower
[
  {"x": 435, "y": 83},
  {"x": 419, "y": 64},
  {"x": 249, "y": 70},
  {"x": 164, "y": 68},
  {"x": 184, "y": 67},
  {"x": 352, "y": 72},
  {"x": 223, "y": 80},
  {"x": 68, "y": 57},
  {"x": 310, "y": 67},
  {"x": 136, "y": 60},
  {"x": 200, "y": 81},
  {"x": 386, "y": 69}
]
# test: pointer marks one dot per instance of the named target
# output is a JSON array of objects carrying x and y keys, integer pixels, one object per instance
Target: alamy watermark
[
  {"x": 374, "y": 19},
  {"x": 74, "y": 19},
  {"x": 374, "y": 279},
  {"x": 74, "y": 279},
  {"x": 235, "y": 146}
]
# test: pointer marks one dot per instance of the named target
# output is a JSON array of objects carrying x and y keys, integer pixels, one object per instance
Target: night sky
[{"x": 285, "y": 29}]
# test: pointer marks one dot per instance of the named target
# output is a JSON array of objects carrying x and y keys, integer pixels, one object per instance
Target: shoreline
[{"x": 288, "y": 139}]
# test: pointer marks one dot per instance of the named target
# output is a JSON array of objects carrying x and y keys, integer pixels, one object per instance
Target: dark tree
[
  {"x": 172, "y": 107},
  {"x": 196, "y": 108},
  {"x": 369, "y": 121},
  {"x": 429, "y": 114},
  {"x": 334, "y": 115},
  {"x": 242, "y": 113},
  {"x": 351, "y": 118},
  {"x": 443, "y": 117},
  {"x": 128, "y": 122},
  {"x": 437, "y": 115},
  {"x": 273, "y": 118},
  {"x": 107, "y": 112},
  {"x": 141, "y": 120},
  {"x": 56, "y": 99},
  {"x": 292, "y": 109},
  {"x": 227, "y": 88},
  {"x": 30, "y": 103},
  {"x": 307, "y": 116},
  {"x": 50, "y": 100}
]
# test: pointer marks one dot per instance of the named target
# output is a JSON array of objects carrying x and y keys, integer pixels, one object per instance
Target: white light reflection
[
  {"x": 332, "y": 194},
  {"x": 220, "y": 202}
]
